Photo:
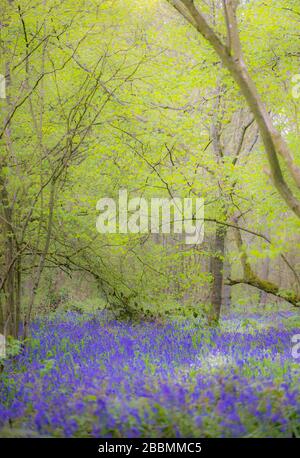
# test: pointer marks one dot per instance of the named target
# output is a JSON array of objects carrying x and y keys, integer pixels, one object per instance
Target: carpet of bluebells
[{"x": 87, "y": 376}]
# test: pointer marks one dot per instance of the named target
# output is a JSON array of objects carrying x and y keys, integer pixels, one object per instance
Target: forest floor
[{"x": 86, "y": 375}]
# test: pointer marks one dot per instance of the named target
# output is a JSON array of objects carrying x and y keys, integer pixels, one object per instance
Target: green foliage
[{"x": 122, "y": 95}]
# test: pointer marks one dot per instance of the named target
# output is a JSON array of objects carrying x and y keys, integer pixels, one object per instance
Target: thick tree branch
[
  {"x": 252, "y": 279},
  {"x": 273, "y": 141},
  {"x": 234, "y": 44},
  {"x": 267, "y": 287}
]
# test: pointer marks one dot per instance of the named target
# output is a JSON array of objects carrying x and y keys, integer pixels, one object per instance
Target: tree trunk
[
  {"x": 226, "y": 289},
  {"x": 217, "y": 273},
  {"x": 265, "y": 274}
]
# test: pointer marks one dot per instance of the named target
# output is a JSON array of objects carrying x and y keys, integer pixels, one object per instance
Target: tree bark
[{"x": 217, "y": 273}]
